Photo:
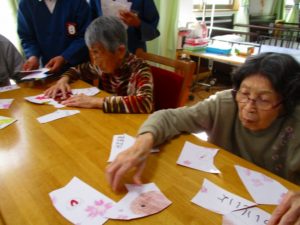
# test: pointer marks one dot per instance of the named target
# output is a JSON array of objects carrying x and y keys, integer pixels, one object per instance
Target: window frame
[{"x": 218, "y": 7}]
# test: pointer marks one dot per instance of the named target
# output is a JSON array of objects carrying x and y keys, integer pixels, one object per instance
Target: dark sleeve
[
  {"x": 77, "y": 51},
  {"x": 96, "y": 9},
  {"x": 26, "y": 31},
  {"x": 149, "y": 17}
]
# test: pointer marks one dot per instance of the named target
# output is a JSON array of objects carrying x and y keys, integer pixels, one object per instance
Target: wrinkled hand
[
  {"x": 133, "y": 158},
  {"x": 61, "y": 87},
  {"x": 56, "y": 64},
  {"x": 84, "y": 101},
  {"x": 130, "y": 18},
  {"x": 32, "y": 63},
  {"x": 288, "y": 212}
]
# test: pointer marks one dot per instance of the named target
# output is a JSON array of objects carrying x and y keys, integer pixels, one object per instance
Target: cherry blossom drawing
[{"x": 98, "y": 209}]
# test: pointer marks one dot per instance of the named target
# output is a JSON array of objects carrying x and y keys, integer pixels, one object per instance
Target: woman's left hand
[
  {"x": 84, "y": 101},
  {"x": 288, "y": 212},
  {"x": 130, "y": 18}
]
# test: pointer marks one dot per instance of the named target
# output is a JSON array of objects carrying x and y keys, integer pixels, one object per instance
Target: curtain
[
  {"x": 293, "y": 16},
  {"x": 166, "y": 43},
  {"x": 14, "y": 6},
  {"x": 8, "y": 13},
  {"x": 242, "y": 15},
  {"x": 279, "y": 9}
]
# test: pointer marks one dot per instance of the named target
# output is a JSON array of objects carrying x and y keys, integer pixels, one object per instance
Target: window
[
  {"x": 219, "y": 5},
  {"x": 289, "y": 2},
  {"x": 9, "y": 27}
]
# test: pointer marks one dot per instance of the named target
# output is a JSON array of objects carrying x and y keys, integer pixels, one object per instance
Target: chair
[{"x": 171, "y": 87}]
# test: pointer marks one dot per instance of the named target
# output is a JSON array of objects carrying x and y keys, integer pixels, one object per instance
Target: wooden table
[
  {"x": 227, "y": 59},
  {"x": 36, "y": 159},
  {"x": 232, "y": 60}
]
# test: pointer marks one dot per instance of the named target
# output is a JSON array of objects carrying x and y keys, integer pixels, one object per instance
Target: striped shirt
[{"x": 131, "y": 85}]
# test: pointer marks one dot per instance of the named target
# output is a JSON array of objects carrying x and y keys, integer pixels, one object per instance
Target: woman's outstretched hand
[{"x": 133, "y": 158}]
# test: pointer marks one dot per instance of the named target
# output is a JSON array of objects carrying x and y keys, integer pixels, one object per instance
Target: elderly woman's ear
[{"x": 121, "y": 51}]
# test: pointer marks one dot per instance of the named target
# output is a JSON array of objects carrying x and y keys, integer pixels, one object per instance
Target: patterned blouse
[{"x": 131, "y": 84}]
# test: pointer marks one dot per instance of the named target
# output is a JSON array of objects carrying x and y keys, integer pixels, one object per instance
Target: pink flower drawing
[
  {"x": 6, "y": 106},
  {"x": 40, "y": 97},
  {"x": 204, "y": 189},
  {"x": 247, "y": 172},
  {"x": 257, "y": 182},
  {"x": 186, "y": 162},
  {"x": 98, "y": 209}
]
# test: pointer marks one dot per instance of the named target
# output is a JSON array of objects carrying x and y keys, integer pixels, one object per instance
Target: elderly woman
[
  {"x": 11, "y": 62},
  {"x": 119, "y": 72},
  {"x": 263, "y": 108}
]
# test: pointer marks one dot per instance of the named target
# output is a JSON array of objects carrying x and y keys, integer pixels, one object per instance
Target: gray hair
[{"x": 107, "y": 31}]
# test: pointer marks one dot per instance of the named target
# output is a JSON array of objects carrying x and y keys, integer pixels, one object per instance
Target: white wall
[{"x": 185, "y": 12}]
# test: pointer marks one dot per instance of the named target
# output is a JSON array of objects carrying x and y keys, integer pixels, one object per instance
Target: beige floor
[{"x": 200, "y": 92}]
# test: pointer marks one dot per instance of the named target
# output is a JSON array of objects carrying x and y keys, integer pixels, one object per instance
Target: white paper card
[
  {"x": 198, "y": 157},
  {"x": 35, "y": 74},
  {"x": 112, "y": 8},
  {"x": 5, "y": 103},
  {"x": 218, "y": 200},
  {"x": 120, "y": 143},
  {"x": 57, "y": 115},
  {"x": 259, "y": 186},
  {"x": 87, "y": 91},
  {"x": 5, "y": 121},
  {"x": 9, "y": 88},
  {"x": 81, "y": 204},
  {"x": 41, "y": 99},
  {"x": 247, "y": 216},
  {"x": 140, "y": 201},
  {"x": 38, "y": 99}
]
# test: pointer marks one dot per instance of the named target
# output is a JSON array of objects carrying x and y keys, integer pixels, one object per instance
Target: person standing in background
[
  {"x": 53, "y": 31},
  {"x": 11, "y": 61},
  {"x": 142, "y": 21}
]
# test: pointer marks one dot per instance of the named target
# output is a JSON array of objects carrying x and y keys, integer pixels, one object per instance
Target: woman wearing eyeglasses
[{"x": 263, "y": 108}]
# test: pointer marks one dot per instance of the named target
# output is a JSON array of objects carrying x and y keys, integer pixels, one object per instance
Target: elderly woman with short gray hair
[{"x": 119, "y": 72}]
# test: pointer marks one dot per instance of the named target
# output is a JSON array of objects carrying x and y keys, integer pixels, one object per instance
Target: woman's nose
[{"x": 250, "y": 105}]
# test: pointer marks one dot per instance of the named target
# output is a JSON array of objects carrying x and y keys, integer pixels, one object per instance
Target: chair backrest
[{"x": 171, "y": 87}]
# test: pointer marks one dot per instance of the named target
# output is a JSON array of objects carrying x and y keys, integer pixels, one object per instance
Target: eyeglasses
[{"x": 259, "y": 103}]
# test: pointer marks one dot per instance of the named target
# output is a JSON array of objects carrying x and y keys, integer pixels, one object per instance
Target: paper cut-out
[
  {"x": 9, "y": 88},
  {"x": 247, "y": 216},
  {"x": 57, "y": 115},
  {"x": 87, "y": 91},
  {"x": 35, "y": 74},
  {"x": 218, "y": 200},
  {"x": 198, "y": 157},
  {"x": 81, "y": 204},
  {"x": 259, "y": 186},
  {"x": 140, "y": 201},
  {"x": 120, "y": 143},
  {"x": 42, "y": 99},
  {"x": 5, "y": 121},
  {"x": 5, "y": 103}
]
